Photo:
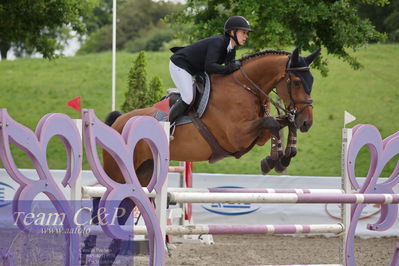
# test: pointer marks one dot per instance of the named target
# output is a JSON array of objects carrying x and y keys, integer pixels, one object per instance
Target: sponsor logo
[
  {"x": 369, "y": 211},
  {"x": 231, "y": 209},
  {"x": 3, "y": 188}
]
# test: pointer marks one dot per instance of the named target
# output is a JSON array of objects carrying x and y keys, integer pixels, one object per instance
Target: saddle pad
[
  {"x": 205, "y": 97},
  {"x": 161, "y": 116}
]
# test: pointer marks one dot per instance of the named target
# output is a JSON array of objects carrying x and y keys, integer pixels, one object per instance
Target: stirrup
[{"x": 172, "y": 129}]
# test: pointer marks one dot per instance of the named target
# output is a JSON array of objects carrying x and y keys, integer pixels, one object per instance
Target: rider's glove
[{"x": 233, "y": 66}]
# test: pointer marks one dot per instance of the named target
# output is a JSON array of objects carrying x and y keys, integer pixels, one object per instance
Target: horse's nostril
[{"x": 305, "y": 126}]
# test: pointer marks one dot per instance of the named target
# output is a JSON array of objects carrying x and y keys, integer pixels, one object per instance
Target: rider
[{"x": 207, "y": 55}]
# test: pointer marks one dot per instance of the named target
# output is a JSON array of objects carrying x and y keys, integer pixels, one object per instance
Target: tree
[
  {"x": 384, "y": 18},
  {"x": 305, "y": 23},
  {"x": 156, "y": 89},
  {"x": 151, "y": 40},
  {"x": 36, "y": 25},
  {"x": 136, "y": 18},
  {"x": 139, "y": 95},
  {"x": 100, "y": 16}
]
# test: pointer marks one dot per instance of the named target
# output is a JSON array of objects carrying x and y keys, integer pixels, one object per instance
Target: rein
[{"x": 289, "y": 112}]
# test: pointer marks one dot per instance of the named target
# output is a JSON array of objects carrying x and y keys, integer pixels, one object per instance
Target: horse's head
[{"x": 295, "y": 87}]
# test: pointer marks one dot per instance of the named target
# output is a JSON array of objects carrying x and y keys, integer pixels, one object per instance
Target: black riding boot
[{"x": 178, "y": 108}]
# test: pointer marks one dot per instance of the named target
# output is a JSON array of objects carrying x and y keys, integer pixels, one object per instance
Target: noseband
[{"x": 291, "y": 110}]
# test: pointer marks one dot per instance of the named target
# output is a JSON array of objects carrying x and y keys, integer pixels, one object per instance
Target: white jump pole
[
  {"x": 97, "y": 192},
  {"x": 262, "y": 229},
  {"x": 178, "y": 230},
  {"x": 196, "y": 197}
]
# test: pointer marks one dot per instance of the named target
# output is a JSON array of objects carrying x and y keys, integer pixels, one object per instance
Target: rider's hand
[{"x": 233, "y": 66}]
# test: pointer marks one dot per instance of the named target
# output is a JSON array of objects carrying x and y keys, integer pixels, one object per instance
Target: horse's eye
[{"x": 297, "y": 83}]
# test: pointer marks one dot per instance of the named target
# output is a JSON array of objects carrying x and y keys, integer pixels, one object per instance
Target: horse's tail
[{"x": 111, "y": 117}]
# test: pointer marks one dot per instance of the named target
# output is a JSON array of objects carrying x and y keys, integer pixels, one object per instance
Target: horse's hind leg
[
  {"x": 90, "y": 241},
  {"x": 113, "y": 251},
  {"x": 126, "y": 206},
  {"x": 144, "y": 172}
]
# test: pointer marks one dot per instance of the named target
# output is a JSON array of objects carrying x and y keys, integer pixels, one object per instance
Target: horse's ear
[
  {"x": 309, "y": 59},
  {"x": 295, "y": 57}
]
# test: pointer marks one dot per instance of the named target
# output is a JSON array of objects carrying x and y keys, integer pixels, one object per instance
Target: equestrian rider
[{"x": 214, "y": 55}]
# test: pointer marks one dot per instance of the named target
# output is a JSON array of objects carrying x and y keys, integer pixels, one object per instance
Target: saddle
[{"x": 201, "y": 95}]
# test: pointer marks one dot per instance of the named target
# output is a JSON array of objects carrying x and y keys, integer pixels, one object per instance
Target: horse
[
  {"x": 237, "y": 114},
  {"x": 237, "y": 118}
]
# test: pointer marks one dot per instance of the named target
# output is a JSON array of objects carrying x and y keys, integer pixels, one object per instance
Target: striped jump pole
[
  {"x": 93, "y": 192},
  {"x": 176, "y": 169},
  {"x": 260, "y": 190},
  {"x": 97, "y": 192},
  {"x": 304, "y": 265},
  {"x": 196, "y": 197},
  {"x": 262, "y": 229},
  {"x": 247, "y": 229}
]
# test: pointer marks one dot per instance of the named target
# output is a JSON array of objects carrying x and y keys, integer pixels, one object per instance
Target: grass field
[{"x": 31, "y": 88}]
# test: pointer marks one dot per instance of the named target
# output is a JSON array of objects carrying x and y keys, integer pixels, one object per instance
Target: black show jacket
[{"x": 206, "y": 55}]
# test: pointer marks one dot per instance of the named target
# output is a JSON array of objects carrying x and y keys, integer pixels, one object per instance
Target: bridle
[{"x": 291, "y": 110}]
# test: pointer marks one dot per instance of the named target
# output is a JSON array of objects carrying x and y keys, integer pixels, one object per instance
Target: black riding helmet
[{"x": 236, "y": 23}]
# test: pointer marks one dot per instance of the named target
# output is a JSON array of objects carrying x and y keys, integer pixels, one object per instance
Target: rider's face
[{"x": 242, "y": 36}]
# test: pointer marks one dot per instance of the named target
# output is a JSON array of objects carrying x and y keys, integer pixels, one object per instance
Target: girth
[{"x": 218, "y": 152}]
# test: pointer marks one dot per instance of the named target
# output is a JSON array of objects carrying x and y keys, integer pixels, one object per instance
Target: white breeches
[{"x": 183, "y": 81}]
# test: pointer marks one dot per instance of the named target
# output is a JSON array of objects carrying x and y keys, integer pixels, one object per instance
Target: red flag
[
  {"x": 163, "y": 106},
  {"x": 74, "y": 103}
]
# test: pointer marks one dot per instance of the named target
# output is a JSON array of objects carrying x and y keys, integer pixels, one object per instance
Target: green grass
[{"x": 32, "y": 88}]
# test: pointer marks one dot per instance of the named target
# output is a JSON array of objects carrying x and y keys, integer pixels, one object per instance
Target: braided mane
[{"x": 261, "y": 53}]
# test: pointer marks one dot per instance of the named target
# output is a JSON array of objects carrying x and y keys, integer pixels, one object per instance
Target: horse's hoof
[
  {"x": 290, "y": 152},
  {"x": 267, "y": 164},
  {"x": 107, "y": 259},
  {"x": 285, "y": 161},
  {"x": 282, "y": 164},
  {"x": 279, "y": 168},
  {"x": 90, "y": 243}
]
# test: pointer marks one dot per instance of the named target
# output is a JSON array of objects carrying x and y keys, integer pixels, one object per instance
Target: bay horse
[
  {"x": 237, "y": 117},
  {"x": 237, "y": 114}
]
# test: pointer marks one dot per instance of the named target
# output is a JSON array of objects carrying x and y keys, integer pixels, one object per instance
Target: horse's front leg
[
  {"x": 273, "y": 126},
  {"x": 290, "y": 150}
]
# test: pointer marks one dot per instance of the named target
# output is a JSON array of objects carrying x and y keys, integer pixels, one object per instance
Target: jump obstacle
[{"x": 122, "y": 146}]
